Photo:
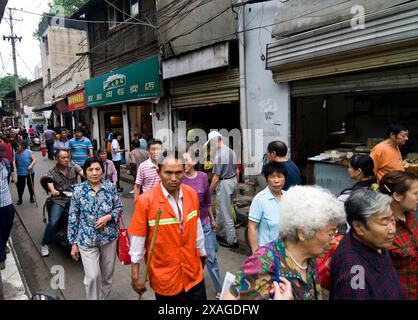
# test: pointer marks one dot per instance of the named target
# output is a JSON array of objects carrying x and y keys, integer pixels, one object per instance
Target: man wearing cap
[{"x": 225, "y": 183}]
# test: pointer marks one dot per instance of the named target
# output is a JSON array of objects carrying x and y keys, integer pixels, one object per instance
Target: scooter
[
  {"x": 61, "y": 235},
  {"x": 35, "y": 143}
]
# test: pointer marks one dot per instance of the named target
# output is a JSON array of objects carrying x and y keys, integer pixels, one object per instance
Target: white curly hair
[{"x": 308, "y": 209}]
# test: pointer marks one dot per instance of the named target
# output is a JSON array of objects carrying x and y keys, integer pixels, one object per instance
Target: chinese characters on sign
[{"x": 137, "y": 81}]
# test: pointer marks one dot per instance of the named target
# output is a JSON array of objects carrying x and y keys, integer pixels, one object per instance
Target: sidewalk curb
[
  {"x": 19, "y": 268},
  {"x": 34, "y": 258}
]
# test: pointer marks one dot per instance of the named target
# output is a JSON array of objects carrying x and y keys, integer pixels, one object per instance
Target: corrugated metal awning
[
  {"x": 389, "y": 38},
  {"x": 394, "y": 78},
  {"x": 218, "y": 87}
]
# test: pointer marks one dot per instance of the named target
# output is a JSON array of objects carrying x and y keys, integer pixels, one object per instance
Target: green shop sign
[{"x": 136, "y": 81}]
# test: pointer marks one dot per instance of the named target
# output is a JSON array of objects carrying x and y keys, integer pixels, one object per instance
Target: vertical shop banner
[
  {"x": 76, "y": 101},
  {"x": 137, "y": 81}
]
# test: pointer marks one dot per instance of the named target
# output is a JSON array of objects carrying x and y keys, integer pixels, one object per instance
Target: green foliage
[
  {"x": 7, "y": 84},
  {"x": 60, "y": 7}
]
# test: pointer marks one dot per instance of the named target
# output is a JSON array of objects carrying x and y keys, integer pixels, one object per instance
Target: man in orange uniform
[
  {"x": 386, "y": 155},
  {"x": 175, "y": 271}
]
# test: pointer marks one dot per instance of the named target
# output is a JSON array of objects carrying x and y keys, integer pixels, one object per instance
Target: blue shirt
[
  {"x": 87, "y": 206},
  {"x": 265, "y": 210},
  {"x": 80, "y": 150},
  {"x": 23, "y": 160},
  {"x": 293, "y": 177}
]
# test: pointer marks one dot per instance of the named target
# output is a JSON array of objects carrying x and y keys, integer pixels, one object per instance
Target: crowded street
[
  {"x": 182, "y": 151},
  {"x": 38, "y": 270}
]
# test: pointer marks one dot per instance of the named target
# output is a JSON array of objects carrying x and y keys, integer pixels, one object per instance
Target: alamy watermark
[{"x": 58, "y": 277}]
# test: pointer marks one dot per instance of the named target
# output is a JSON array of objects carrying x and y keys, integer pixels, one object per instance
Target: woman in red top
[{"x": 403, "y": 188}]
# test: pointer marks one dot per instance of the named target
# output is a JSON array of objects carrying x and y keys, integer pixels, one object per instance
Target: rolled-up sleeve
[
  {"x": 200, "y": 239},
  {"x": 137, "y": 249}
]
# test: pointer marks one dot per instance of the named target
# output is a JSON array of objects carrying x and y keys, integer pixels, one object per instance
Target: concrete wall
[
  {"x": 268, "y": 104},
  {"x": 63, "y": 45},
  {"x": 223, "y": 26},
  {"x": 33, "y": 93}
]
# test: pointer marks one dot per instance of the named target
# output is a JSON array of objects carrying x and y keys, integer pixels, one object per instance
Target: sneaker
[
  {"x": 19, "y": 202},
  {"x": 44, "y": 251},
  {"x": 2, "y": 265},
  {"x": 7, "y": 249}
]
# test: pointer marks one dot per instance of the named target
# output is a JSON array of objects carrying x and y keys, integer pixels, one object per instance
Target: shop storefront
[
  {"x": 122, "y": 99},
  {"x": 207, "y": 101},
  {"x": 347, "y": 85}
]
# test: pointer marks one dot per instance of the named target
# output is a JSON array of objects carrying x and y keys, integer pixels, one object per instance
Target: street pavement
[{"x": 41, "y": 273}]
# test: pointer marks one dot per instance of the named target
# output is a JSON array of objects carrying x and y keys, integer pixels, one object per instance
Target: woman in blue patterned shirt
[{"x": 93, "y": 229}]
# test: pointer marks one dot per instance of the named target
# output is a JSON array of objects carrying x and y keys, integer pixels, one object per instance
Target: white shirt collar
[
  {"x": 151, "y": 164},
  {"x": 168, "y": 195}
]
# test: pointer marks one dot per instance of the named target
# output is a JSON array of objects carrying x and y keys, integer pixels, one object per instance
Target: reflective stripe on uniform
[
  {"x": 151, "y": 223},
  {"x": 191, "y": 215}
]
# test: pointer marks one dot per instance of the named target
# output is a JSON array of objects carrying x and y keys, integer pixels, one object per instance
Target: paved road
[{"x": 31, "y": 222}]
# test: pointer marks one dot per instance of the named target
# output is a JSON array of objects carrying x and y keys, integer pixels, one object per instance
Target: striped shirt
[
  {"x": 147, "y": 175},
  {"x": 80, "y": 150},
  {"x": 5, "y": 197}
]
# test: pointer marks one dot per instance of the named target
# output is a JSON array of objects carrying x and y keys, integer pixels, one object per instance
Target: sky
[{"x": 28, "y": 51}]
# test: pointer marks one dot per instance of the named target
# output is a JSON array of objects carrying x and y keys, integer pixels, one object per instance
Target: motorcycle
[
  {"x": 35, "y": 143},
  {"x": 61, "y": 236}
]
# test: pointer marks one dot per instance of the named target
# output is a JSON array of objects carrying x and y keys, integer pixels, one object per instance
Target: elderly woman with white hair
[{"x": 285, "y": 269}]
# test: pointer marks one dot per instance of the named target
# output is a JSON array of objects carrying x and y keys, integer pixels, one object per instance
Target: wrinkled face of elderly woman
[
  {"x": 380, "y": 230},
  {"x": 323, "y": 240}
]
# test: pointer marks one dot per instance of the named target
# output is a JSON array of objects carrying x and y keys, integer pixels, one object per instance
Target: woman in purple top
[
  {"x": 110, "y": 172},
  {"x": 200, "y": 183}
]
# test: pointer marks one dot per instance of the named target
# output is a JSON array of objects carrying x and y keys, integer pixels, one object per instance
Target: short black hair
[
  {"x": 57, "y": 153},
  {"x": 79, "y": 129},
  {"x": 166, "y": 154},
  {"x": 274, "y": 167},
  {"x": 395, "y": 128},
  {"x": 154, "y": 141},
  {"x": 90, "y": 161},
  {"x": 136, "y": 143},
  {"x": 363, "y": 162},
  {"x": 279, "y": 147}
]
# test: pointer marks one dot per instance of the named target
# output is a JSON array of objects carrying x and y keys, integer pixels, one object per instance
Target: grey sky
[{"x": 28, "y": 51}]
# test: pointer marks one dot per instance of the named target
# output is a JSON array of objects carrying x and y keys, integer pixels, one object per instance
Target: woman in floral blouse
[
  {"x": 285, "y": 268},
  {"x": 93, "y": 229}
]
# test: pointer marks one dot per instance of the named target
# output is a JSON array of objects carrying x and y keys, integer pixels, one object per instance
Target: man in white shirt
[
  {"x": 176, "y": 271},
  {"x": 116, "y": 156}
]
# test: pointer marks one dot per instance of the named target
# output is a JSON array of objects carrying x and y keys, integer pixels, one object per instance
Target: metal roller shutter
[
  {"x": 215, "y": 88},
  {"x": 399, "y": 78},
  {"x": 390, "y": 38}
]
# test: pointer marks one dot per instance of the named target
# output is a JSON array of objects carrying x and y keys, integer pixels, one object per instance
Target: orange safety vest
[{"x": 175, "y": 264}]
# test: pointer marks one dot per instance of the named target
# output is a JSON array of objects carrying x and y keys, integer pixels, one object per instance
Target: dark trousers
[
  {"x": 197, "y": 293},
  {"x": 50, "y": 149},
  {"x": 20, "y": 184},
  {"x": 7, "y": 215},
  {"x": 117, "y": 166}
]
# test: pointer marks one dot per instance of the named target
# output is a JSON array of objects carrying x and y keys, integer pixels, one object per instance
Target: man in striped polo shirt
[
  {"x": 80, "y": 148},
  {"x": 147, "y": 174}
]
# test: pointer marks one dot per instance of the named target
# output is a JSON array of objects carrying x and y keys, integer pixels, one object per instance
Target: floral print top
[
  {"x": 87, "y": 206},
  {"x": 254, "y": 281}
]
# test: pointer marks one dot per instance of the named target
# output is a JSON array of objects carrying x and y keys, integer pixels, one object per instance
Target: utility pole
[{"x": 12, "y": 38}]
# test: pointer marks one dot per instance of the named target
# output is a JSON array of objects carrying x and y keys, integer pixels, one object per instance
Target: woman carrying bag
[{"x": 93, "y": 229}]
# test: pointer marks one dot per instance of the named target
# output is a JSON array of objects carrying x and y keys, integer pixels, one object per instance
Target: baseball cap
[{"x": 211, "y": 135}]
